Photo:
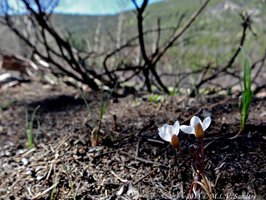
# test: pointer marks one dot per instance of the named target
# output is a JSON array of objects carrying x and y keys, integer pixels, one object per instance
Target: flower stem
[
  {"x": 202, "y": 154},
  {"x": 202, "y": 170}
]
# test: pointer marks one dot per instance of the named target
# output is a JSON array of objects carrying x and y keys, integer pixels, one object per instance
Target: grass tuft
[
  {"x": 71, "y": 183},
  {"x": 29, "y": 127},
  {"x": 247, "y": 93}
]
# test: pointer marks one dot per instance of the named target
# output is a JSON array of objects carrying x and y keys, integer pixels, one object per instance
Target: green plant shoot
[
  {"x": 53, "y": 193},
  {"x": 102, "y": 110},
  {"x": 247, "y": 93},
  {"x": 6, "y": 105},
  {"x": 29, "y": 126},
  {"x": 156, "y": 98},
  {"x": 85, "y": 101},
  {"x": 71, "y": 183}
]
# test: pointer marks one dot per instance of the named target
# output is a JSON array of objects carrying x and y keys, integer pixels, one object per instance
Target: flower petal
[
  {"x": 169, "y": 130},
  {"x": 176, "y": 128},
  {"x": 206, "y": 123},
  {"x": 195, "y": 120},
  {"x": 164, "y": 133},
  {"x": 187, "y": 129},
  {"x": 163, "y": 128}
]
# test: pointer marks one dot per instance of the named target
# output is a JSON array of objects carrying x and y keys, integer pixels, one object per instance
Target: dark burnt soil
[{"x": 131, "y": 162}]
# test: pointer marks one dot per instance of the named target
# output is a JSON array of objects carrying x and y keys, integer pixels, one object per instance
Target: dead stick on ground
[
  {"x": 119, "y": 178},
  {"x": 137, "y": 148},
  {"x": 143, "y": 160},
  {"x": 37, "y": 196},
  {"x": 141, "y": 178}
]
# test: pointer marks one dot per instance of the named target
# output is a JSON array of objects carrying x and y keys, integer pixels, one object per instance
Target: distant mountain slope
[{"x": 211, "y": 38}]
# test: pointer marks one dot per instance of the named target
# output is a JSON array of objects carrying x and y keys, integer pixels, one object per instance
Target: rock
[{"x": 24, "y": 161}]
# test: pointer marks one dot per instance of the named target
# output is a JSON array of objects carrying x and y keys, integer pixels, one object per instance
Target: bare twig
[{"x": 245, "y": 24}]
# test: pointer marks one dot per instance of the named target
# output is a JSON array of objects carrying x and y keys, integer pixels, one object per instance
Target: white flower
[
  {"x": 170, "y": 133},
  {"x": 197, "y": 127}
]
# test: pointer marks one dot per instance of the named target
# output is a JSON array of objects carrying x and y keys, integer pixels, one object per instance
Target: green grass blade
[
  {"x": 30, "y": 127},
  {"x": 247, "y": 93}
]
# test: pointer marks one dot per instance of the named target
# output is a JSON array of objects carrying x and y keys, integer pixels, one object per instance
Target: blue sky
[{"x": 95, "y": 7}]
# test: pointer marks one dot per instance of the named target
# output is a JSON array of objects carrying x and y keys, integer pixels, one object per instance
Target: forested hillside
[{"x": 211, "y": 39}]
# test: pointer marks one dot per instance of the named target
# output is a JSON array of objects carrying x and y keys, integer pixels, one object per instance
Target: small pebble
[
  {"x": 28, "y": 172},
  {"x": 121, "y": 191},
  {"x": 5, "y": 153},
  {"x": 24, "y": 161},
  {"x": 21, "y": 151},
  {"x": 39, "y": 177}
]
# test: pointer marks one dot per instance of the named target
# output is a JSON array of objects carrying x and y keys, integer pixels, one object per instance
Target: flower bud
[
  {"x": 199, "y": 131},
  {"x": 175, "y": 141}
]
